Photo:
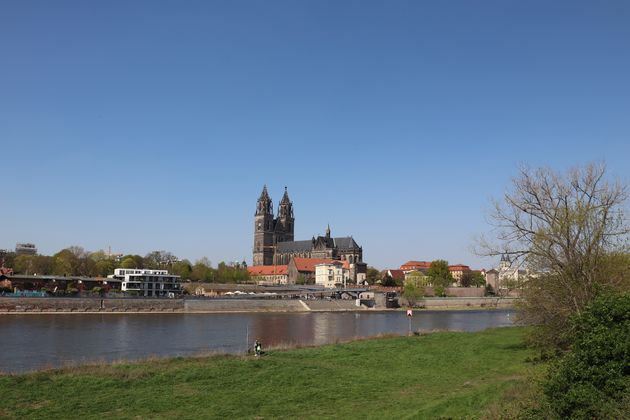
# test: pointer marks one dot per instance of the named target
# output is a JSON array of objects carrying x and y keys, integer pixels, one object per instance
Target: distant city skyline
[{"x": 153, "y": 126}]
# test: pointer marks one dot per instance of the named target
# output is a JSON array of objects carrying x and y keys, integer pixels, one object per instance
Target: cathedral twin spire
[{"x": 265, "y": 205}]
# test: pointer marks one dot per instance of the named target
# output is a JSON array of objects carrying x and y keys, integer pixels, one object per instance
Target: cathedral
[{"x": 274, "y": 243}]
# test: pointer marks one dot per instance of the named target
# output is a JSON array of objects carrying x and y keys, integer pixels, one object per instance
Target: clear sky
[{"x": 150, "y": 125}]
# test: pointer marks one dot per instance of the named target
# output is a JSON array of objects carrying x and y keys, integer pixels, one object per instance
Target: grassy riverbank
[{"x": 442, "y": 374}]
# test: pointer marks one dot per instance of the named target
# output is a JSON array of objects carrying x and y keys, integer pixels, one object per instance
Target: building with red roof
[
  {"x": 415, "y": 266},
  {"x": 269, "y": 274},
  {"x": 458, "y": 270},
  {"x": 305, "y": 268},
  {"x": 398, "y": 275}
]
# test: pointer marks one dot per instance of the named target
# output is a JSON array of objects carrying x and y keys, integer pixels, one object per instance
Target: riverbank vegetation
[
  {"x": 446, "y": 374},
  {"x": 76, "y": 261},
  {"x": 570, "y": 231}
]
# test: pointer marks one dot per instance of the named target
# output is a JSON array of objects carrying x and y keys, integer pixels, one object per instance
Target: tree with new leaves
[
  {"x": 202, "y": 271},
  {"x": 128, "y": 262},
  {"x": 466, "y": 279},
  {"x": 372, "y": 275},
  {"x": 388, "y": 281},
  {"x": 413, "y": 293},
  {"x": 438, "y": 272},
  {"x": 159, "y": 260},
  {"x": 472, "y": 279},
  {"x": 182, "y": 268},
  {"x": 132, "y": 261},
  {"x": 440, "y": 277},
  {"x": 570, "y": 229},
  {"x": 477, "y": 279},
  {"x": 66, "y": 262},
  {"x": 414, "y": 287}
]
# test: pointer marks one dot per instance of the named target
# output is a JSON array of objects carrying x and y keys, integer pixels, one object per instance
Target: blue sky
[{"x": 146, "y": 125}]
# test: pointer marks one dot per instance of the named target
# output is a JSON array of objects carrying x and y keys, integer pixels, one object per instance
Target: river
[{"x": 36, "y": 341}]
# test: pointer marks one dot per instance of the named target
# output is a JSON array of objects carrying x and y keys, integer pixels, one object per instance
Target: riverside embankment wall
[
  {"x": 114, "y": 305},
  {"x": 26, "y": 304},
  {"x": 243, "y": 305},
  {"x": 463, "y": 303}
]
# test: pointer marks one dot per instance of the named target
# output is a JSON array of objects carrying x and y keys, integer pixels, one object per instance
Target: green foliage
[
  {"x": 417, "y": 277},
  {"x": 388, "y": 281},
  {"x": 466, "y": 279},
  {"x": 132, "y": 261},
  {"x": 439, "y": 291},
  {"x": 229, "y": 274},
  {"x": 75, "y": 261},
  {"x": 201, "y": 271},
  {"x": 33, "y": 264},
  {"x": 159, "y": 260},
  {"x": 182, "y": 268},
  {"x": 104, "y": 267},
  {"x": 441, "y": 375},
  {"x": 592, "y": 378},
  {"x": 477, "y": 279},
  {"x": 128, "y": 262},
  {"x": 301, "y": 279},
  {"x": 372, "y": 275},
  {"x": 7, "y": 258},
  {"x": 413, "y": 291},
  {"x": 23, "y": 264},
  {"x": 64, "y": 263},
  {"x": 439, "y": 275}
]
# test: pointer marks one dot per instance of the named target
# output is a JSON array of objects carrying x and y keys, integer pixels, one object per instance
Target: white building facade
[
  {"x": 148, "y": 283},
  {"x": 332, "y": 275}
]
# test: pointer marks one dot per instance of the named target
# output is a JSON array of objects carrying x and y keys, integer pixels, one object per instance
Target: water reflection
[{"x": 35, "y": 341}]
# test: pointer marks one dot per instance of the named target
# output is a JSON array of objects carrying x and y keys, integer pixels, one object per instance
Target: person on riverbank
[{"x": 257, "y": 348}]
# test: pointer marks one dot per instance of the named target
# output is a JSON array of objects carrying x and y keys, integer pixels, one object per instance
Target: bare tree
[{"x": 571, "y": 231}]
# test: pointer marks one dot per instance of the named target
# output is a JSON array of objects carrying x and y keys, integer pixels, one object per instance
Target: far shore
[{"x": 254, "y": 310}]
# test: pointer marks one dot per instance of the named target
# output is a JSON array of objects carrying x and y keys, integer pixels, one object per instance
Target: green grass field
[{"x": 449, "y": 375}]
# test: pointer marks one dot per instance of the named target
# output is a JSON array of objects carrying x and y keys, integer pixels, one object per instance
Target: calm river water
[{"x": 29, "y": 342}]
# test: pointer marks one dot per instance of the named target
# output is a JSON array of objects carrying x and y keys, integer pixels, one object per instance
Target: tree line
[{"x": 76, "y": 261}]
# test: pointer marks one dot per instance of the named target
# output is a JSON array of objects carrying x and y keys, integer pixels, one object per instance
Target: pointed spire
[
  {"x": 285, "y": 207},
  {"x": 264, "y": 203},
  {"x": 328, "y": 231},
  {"x": 264, "y": 195},
  {"x": 285, "y": 197}
]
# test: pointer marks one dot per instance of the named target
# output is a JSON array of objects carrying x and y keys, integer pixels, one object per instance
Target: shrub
[
  {"x": 439, "y": 291},
  {"x": 592, "y": 378}
]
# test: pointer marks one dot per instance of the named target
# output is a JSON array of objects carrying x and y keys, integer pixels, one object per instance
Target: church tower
[
  {"x": 264, "y": 230},
  {"x": 505, "y": 263},
  {"x": 285, "y": 221}
]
